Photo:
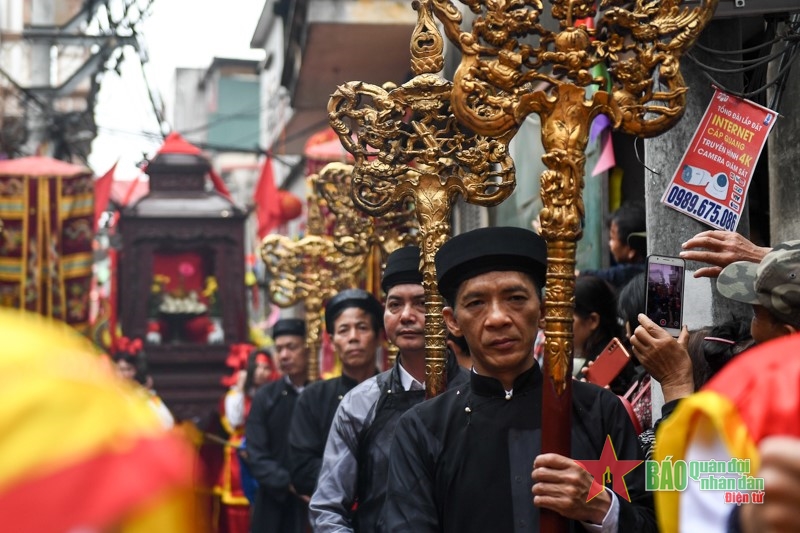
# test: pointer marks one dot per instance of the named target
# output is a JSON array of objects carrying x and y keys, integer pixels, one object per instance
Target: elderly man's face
[
  {"x": 355, "y": 338},
  {"x": 498, "y": 314},
  {"x": 292, "y": 355}
]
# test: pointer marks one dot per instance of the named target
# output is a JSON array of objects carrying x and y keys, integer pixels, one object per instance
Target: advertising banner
[{"x": 711, "y": 181}]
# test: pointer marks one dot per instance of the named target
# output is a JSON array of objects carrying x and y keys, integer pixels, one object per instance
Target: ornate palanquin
[{"x": 181, "y": 280}]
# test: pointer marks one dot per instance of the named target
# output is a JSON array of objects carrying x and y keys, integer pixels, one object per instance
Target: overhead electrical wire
[{"x": 786, "y": 55}]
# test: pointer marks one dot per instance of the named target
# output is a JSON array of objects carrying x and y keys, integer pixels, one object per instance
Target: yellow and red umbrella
[{"x": 80, "y": 449}]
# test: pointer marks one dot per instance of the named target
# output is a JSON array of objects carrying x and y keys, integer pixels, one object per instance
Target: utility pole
[
  {"x": 66, "y": 131},
  {"x": 42, "y": 14}
]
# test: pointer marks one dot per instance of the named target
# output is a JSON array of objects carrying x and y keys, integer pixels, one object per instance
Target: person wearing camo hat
[
  {"x": 772, "y": 287},
  {"x": 747, "y": 412}
]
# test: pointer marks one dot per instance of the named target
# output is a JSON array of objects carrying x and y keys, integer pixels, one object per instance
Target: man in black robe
[
  {"x": 462, "y": 461},
  {"x": 354, "y": 320},
  {"x": 352, "y": 483},
  {"x": 278, "y": 508}
]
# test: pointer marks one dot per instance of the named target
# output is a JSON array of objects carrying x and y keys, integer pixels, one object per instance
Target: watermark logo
[
  {"x": 730, "y": 477},
  {"x": 610, "y": 471}
]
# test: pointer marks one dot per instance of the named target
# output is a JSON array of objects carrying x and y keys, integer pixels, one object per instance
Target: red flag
[
  {"x": 102, "y": 193},
  {"x": 268, "y": 206},
  {"x": 131, "y": 189}
]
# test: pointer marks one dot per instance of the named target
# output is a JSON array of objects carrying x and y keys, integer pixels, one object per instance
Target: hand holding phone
[
  {"x": 665, "y": 280},
  {"x": 608, "y": 364}
]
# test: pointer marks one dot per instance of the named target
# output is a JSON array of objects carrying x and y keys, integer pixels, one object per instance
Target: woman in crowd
[
  {"x": 723, "y": 343},
  {"x": 594, "y": 325},
  {"x": 259, "y": 370},
  {"x": 129, "y": 360},
  {"x": 252, "y": 369}
]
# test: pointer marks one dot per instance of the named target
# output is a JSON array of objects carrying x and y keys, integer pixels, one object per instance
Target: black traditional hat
[
  {"x": 485, "y": 250},
  {"x": 402, "y": 266},
  {"x": 289, "y": 326},
  {"x": 352, "y": 298}
]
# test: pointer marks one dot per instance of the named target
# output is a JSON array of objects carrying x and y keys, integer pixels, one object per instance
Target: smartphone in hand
[
  {"x": 608, "y": 364},
  {"x": 665, "y": 280}
]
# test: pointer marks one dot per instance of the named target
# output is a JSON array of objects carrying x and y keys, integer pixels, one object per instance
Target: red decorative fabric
[
  {"x": 150, "y": 466},
  {"x": 102, "y": 193},
  {"x": 184, "y": 269},
  {"x": 40, "y": 166},
  {"x": 176, "y": 144},
  {"x": 327, "y": 355},
  {"x": 322, "y": 148},
  {"x": 126, "y": 192},
  {"x": 128, "y": 346},
  {"x": 237, "y": 360}
]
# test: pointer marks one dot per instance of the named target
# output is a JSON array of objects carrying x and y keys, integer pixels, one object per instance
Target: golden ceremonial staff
[
  {"x": 310, "y": 270},
  {"x": 357, "y": 233},
  {"x": 512, "y": 66},
  {"x": 408, "y": 145}
]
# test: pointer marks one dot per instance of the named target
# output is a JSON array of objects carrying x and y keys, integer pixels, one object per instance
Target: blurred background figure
[
  {"x": 630, "y": 304},
  {"x": 594, "y": 322},
  {"x": 723, "y": 343},
  {"x": 627, "y": 242},
  {"x": 130, "y": 362},
  {"x": 230, "y": 506},
  {"x": 277, "y": 507},
  {"x": 256, "y": 368},
  {"x": 81, "y": 449}
]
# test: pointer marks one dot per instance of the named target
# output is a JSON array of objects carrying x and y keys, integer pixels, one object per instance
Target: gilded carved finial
[
  {"x": 355, "y": 232},
  {"x": 427, "y": 44},
  {"x": 310, "y": 270},
  {"x": 512, "y": 65},
  {"x": 408, "y": 147}
]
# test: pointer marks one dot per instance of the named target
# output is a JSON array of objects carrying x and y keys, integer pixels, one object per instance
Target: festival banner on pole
[{"x": 711, "y": 181}]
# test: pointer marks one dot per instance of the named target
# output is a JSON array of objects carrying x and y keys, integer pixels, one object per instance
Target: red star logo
[{"x": 608, "y": 467}]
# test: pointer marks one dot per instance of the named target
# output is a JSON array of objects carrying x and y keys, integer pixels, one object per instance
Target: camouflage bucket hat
[{"x": 774, "y": 283}]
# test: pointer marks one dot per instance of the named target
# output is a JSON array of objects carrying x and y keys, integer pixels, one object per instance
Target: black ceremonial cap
[
  {"x": 402, "y": 266},
  {"x": 352, "y": 298},
  {"x": 485, "y": 250},
  {"x": 289, "y": 326}
]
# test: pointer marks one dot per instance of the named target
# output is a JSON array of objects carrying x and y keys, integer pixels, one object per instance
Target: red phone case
[{"x": 608, "y": 364}]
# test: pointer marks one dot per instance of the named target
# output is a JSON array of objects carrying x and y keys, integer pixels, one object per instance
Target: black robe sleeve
[
  {"x": 637, "y": 514},
  {"x": 410, "y": 502},
  {"x": 264, "y": 465},
  {"x": 307, "y": 437},
  {"x": 450, "y": 466}
]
